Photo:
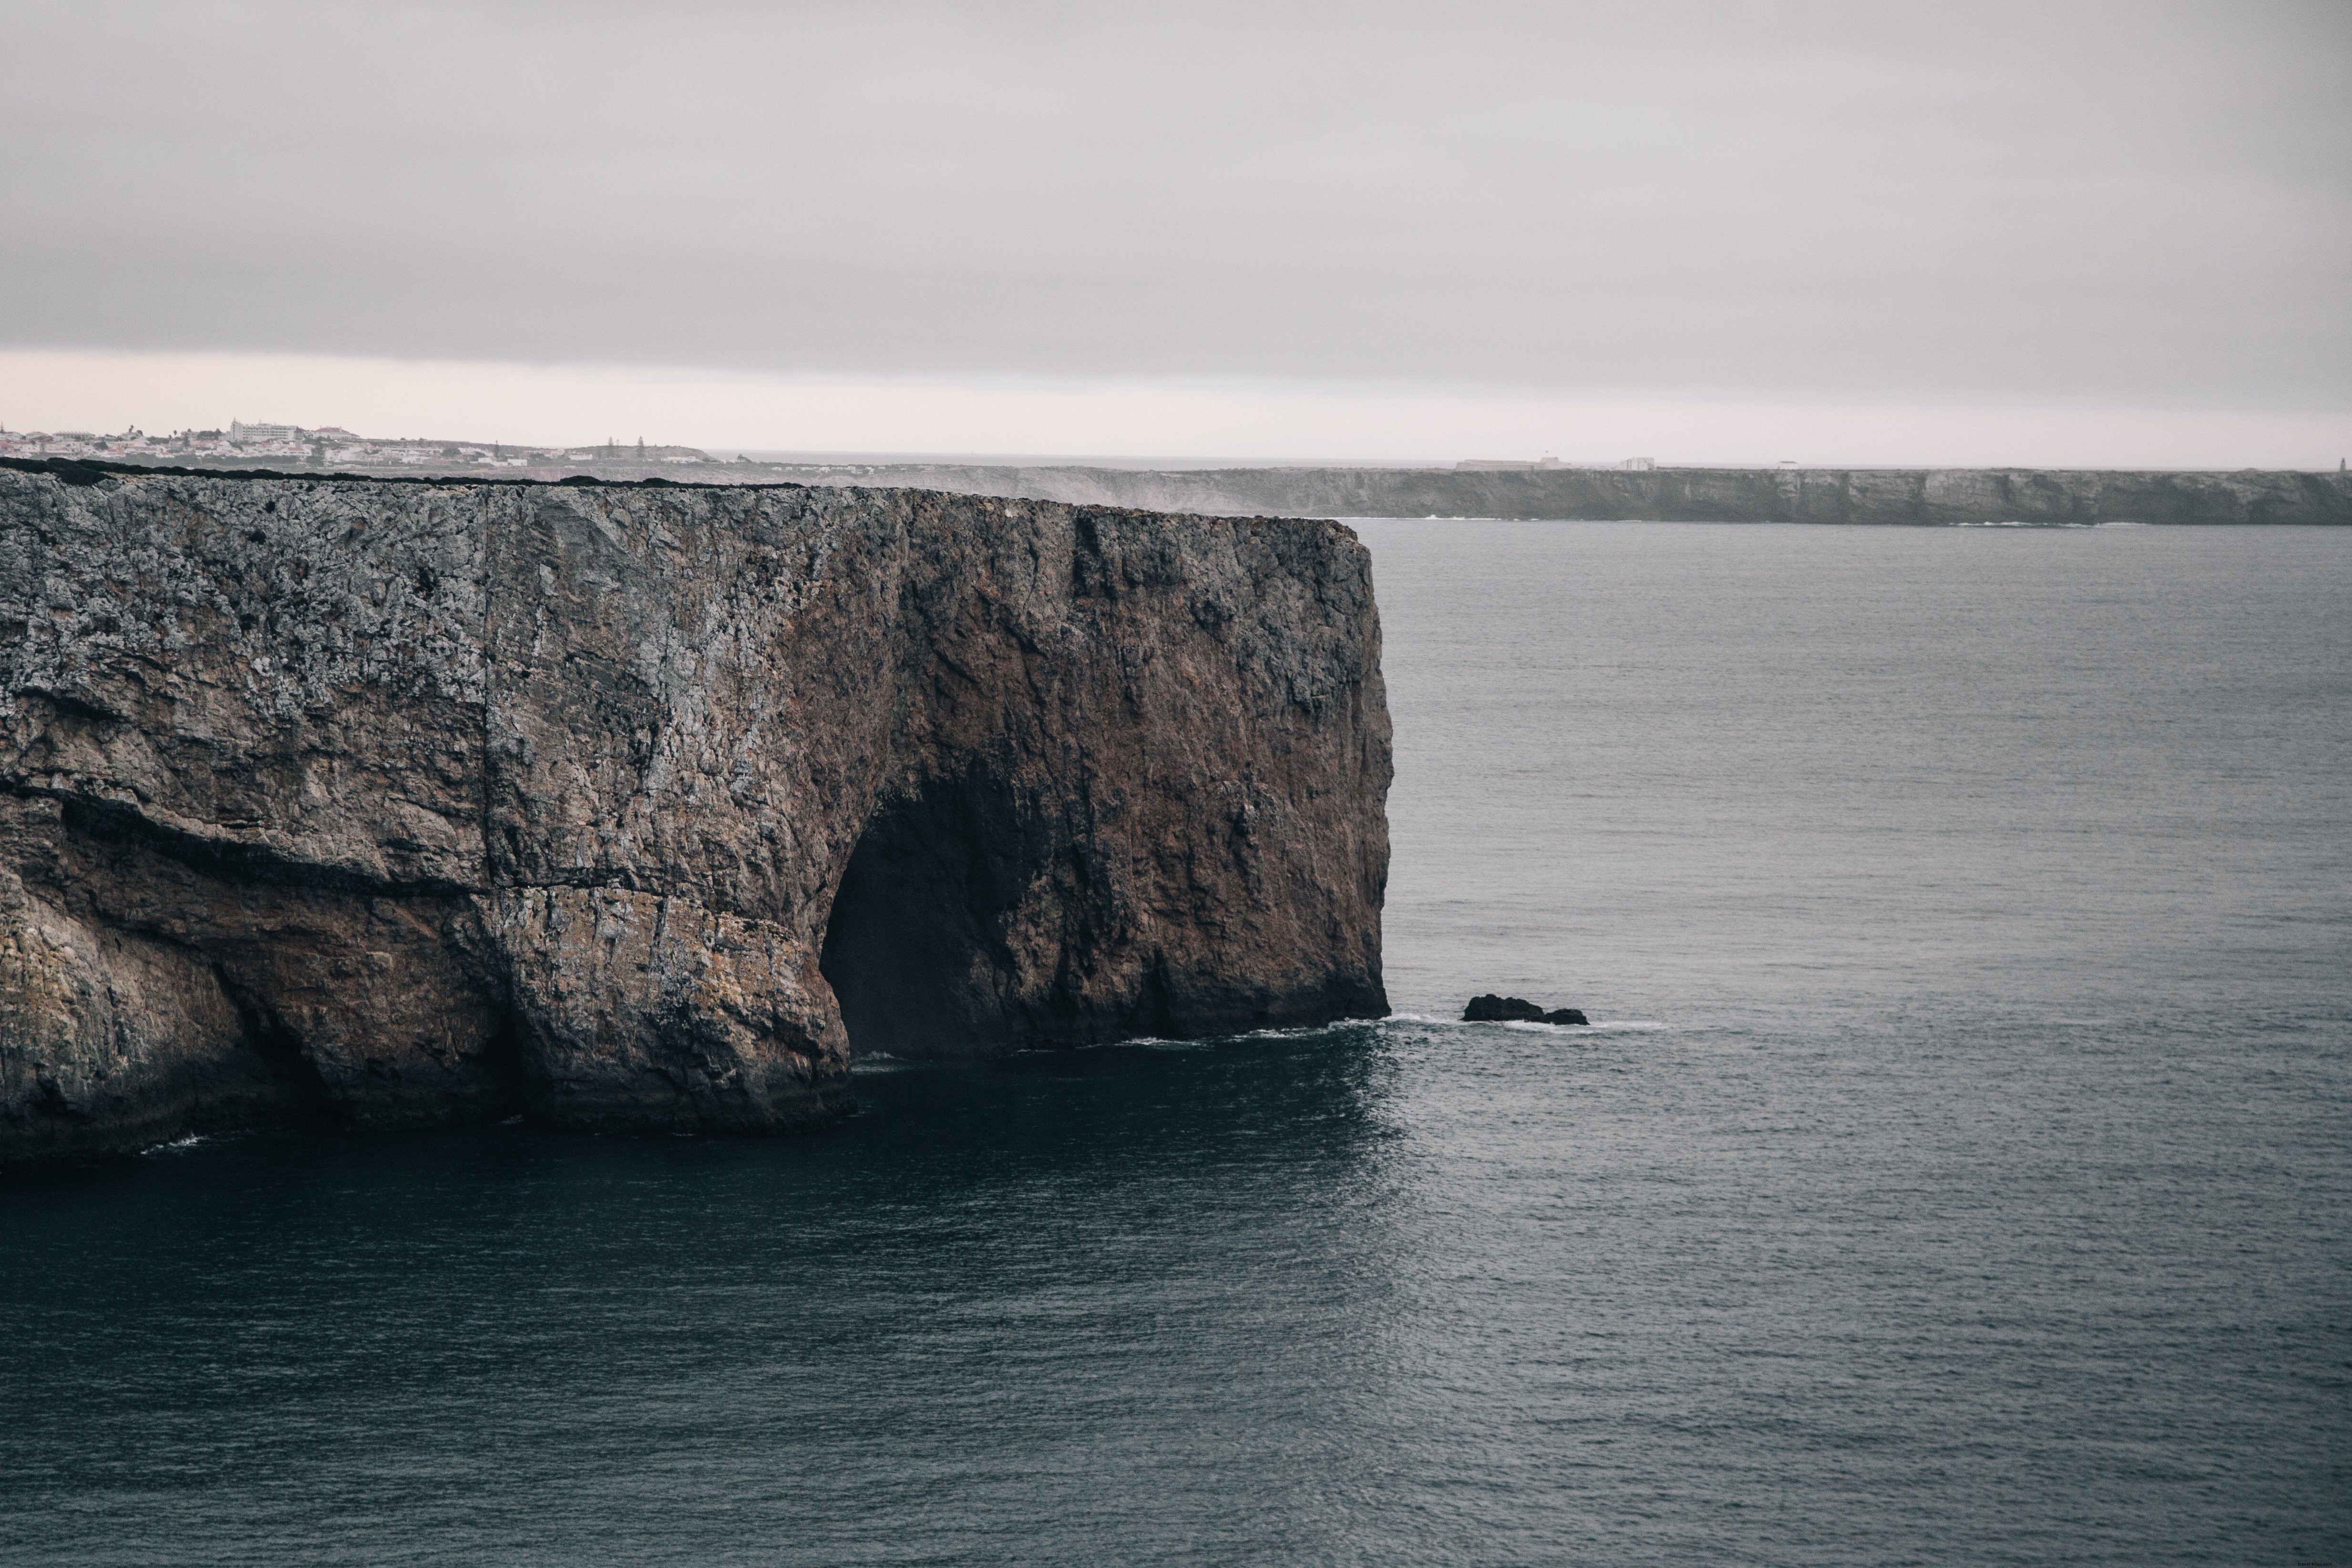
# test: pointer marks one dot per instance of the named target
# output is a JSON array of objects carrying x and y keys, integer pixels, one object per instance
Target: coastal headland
[
  {"x": 397, "y": 803},
  {"x": 1886, "y": 496},
  {"x": 1912, "y": 497}
]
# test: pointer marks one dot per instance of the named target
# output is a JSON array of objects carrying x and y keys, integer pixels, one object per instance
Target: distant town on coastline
[
  {"x": 328, "y": 446},
  {"x": 333, "y": 447}
]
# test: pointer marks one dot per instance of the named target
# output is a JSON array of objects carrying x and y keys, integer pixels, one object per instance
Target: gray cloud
[{"x": 2100, "y": 201}]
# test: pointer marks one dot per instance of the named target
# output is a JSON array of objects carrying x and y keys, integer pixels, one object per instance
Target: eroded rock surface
[{"x": 639, "y": 806}]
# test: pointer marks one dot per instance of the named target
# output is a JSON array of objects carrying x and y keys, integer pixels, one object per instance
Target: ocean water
[{"x": 1959, "y": 1170}]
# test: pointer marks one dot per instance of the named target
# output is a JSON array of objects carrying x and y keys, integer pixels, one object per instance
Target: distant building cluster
[
  {"x": 1524, "y": 465},
  {"x": 326, "y": 446}
]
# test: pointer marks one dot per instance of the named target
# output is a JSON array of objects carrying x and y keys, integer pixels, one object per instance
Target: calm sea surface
[{"x": 1959, "y": 1170}]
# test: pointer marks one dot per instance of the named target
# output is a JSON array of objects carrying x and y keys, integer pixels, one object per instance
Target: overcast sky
[{"x": 2011, "y": 209}]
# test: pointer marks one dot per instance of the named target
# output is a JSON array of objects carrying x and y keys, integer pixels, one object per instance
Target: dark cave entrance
[{"x": 915, "y": 947}]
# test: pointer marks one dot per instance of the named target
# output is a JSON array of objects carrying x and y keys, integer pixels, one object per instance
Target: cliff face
[
  {"x": 399, "y": 802},
  {"x": 1927, "y": 496}
]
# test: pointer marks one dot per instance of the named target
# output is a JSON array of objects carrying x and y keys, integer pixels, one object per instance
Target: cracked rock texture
[{"x": 639, "y": 806}]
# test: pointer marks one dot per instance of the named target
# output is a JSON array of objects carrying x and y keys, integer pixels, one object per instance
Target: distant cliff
[
  {"x": 1927, "y": 496},
  {"x": 1914, "y": 497},
  {"x": 391, "y": 802}
]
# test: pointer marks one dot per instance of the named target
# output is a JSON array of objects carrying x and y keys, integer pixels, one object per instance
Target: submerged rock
[
  {"x": 401, "y": 802},
  {"x": 1492, "y": 1008}
]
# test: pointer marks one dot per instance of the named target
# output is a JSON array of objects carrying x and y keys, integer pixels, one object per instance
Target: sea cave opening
[{"x": 915, "y": 948}]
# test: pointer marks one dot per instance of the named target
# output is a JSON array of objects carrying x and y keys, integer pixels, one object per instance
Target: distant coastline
[
  {"x": 1914, "y": 497},
  {"x": 1880, "y": 497}
]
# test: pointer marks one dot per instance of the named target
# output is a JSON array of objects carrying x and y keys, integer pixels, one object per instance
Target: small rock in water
[{"x": 1492, "y": 1008}]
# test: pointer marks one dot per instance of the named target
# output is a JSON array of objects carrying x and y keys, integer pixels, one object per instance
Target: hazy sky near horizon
[{"x": 2103, "y": 206}]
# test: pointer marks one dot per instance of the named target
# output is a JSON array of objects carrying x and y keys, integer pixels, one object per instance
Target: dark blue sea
[{"x": 1959, "y": 1169}]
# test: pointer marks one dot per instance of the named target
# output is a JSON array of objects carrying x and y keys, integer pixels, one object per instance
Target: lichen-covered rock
[{"x": 641, "y": 806}]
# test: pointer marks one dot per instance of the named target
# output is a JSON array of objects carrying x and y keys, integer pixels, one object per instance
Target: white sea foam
[
  {"x": 1143, "y": 1041},
  {"x": 1597, "y": 1024}
]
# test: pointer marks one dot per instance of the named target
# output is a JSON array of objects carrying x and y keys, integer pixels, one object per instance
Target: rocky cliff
[{"x": 399, "y": 802}]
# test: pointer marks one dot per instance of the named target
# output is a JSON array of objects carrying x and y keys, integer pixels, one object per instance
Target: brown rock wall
[{"x": 394, "y": 802}]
